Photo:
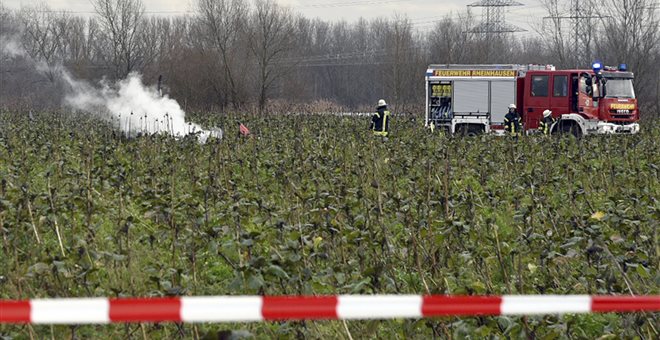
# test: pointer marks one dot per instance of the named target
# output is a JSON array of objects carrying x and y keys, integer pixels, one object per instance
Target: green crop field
[{"x": 315, "y": 205}]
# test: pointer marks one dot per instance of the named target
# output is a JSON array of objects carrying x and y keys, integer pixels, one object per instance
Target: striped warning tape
[{"x": 350, "y": 307}]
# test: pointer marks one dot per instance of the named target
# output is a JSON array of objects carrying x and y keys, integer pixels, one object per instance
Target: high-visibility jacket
[
  {"x": 512, "y": 123},
  {"x": 546, "y": 124},
  {"x": 380, "y": 122}
]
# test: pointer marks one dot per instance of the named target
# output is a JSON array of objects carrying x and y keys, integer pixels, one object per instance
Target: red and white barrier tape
[{"x": 355, "y": 307}]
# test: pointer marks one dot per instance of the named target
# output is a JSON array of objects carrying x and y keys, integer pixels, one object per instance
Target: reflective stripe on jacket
[
  {"x": 512, "y": 123},
  {"x": 380, "y": 122},
  {"x": 545, "y": 125}
]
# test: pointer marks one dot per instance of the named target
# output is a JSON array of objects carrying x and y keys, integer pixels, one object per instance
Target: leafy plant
[{"x": 316, "y": 205}]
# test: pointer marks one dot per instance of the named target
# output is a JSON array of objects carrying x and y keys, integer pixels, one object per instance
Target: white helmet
[
  {"x": 547, "y": 113},
  {"x": 382, "y": 103},
  {"x": 512, "y": 106}
]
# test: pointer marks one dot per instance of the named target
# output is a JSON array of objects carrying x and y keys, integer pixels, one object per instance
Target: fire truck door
[
  {"x": 559, "y": 101},
  {"x": 587, "y": 105},
  {"x": 537, "y": 98}
]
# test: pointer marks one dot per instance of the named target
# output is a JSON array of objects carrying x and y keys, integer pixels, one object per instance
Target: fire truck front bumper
[{"x": 609, "y": 128}]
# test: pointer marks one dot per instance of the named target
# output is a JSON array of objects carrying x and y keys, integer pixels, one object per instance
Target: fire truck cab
[{"x": 473, "y": 99}]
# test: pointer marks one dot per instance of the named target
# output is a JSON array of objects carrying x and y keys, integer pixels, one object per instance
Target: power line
[
  {"x": 493, "y": 20},
  {"x": 348, "y": 4},
  {"x": 580, "y": 14},
  {"x": 365, "y": 63},
  {"x": 339, "y": 59},
  {"x": 63, "y": 11},
  {"x": 493, "y": 17},
  {"x": 579, "y": 25},
  {"x": 303, "y": 7}
]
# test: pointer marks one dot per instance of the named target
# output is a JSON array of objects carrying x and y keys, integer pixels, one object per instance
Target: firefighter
[
  {"x": 545, "y": 125},
  {"x": 380, "y": 121},
  {"x": 512, "y": 121}
]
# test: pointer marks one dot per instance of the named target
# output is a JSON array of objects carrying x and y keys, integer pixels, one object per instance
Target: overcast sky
[{"x": 423, "y": 13}]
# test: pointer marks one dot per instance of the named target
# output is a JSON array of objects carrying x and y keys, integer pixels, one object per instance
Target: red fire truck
[{"x": 473, "y": 99}]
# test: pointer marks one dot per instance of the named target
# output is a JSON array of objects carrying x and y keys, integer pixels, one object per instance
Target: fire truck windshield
[{"x": 619, "y": 88}]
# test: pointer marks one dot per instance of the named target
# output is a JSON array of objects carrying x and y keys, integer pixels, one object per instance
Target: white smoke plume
[
  {"x": 10, "y": 47},
  {"x": 133, "y": 107}
]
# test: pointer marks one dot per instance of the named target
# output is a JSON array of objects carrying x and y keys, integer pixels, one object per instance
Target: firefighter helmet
[
  {"x": 512, "y": 106},
  {"x": 382, "y": 103},
  {"x": 547, "y": 113}
]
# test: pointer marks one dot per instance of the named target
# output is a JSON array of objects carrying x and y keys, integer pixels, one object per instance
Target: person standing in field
[
  {"x": 545, "y": 125},
  {"x": 380, "y": 121},
  {"x": 512, "y": 121}
]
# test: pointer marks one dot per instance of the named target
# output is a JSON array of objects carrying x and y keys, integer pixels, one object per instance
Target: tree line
[{"x": 258, "y": 55}]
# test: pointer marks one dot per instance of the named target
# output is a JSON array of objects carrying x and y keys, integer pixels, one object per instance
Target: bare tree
[
  {"x": 451, "y": 42},
  {"x": 528, "y": 51},
  {"x": 401, "y": 56},
  {"x": 627, "y": 32},
  {"x": 120, "y": 23},
  {"x": 152, "y": 35},
  {"x": 446, "y": 41},
  {"x": 43, "y": 36},
  {"x": 553, "y": 31},
  {"x": 271, "y": 38},
  {"x": 631, "y": 35},
  {"x": 82, "y": 52},
  {"x": 224, "y": 21},
  {"x": 230, "y": 49},
  {"x": 9, "y": 49},
  {"x": 8, "y": 22}
]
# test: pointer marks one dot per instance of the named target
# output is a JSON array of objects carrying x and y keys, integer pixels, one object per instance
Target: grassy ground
[{"x": 315, "y": 205}]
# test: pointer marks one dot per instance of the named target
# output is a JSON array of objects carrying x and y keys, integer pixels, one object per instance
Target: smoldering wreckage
[{"x": 134, "y": 108}]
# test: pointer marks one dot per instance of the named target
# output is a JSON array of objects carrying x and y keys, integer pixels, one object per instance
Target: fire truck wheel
[
  {"x": 570, "y": 128},
  {"x": 470, "y": 130}
]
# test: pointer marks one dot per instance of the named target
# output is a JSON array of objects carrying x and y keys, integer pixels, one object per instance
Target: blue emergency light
[
  {"x": 623, "y": 67},
  {"x": 597, "y": 66}
]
